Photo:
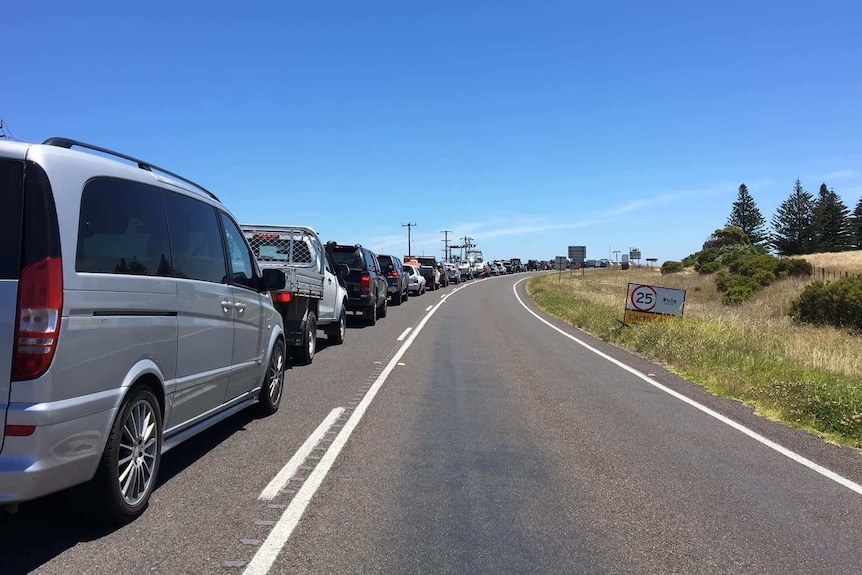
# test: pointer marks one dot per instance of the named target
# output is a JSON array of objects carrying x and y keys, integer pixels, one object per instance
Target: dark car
[
  {"x": 399, "y": 282},
  {"x": 367, "y": 290},
  {"x": 430, "y": 271},
  {"x": 532, "y": 265}
]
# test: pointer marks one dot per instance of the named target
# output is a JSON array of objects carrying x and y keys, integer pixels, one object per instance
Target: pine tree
[
  {"x": 747, "y": 216},
  {"x": 792, "y": 227},
  {"x": 856, "y": 226},
  {"x": 831, "y": 222}
]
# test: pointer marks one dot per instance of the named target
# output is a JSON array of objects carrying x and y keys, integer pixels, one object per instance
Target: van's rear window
[{"x": 11, "y": 200}]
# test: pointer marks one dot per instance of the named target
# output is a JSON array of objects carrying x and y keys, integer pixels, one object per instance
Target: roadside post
[
  {"x": 646, "y": 304},
  {"x": 561, "y": 265}
]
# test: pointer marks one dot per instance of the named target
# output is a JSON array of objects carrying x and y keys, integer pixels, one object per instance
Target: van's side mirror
[
  {"x": 343, "y": 270},
  {"x": 272, "y": 280}
]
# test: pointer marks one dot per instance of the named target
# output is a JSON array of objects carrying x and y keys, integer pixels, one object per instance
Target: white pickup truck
[{"x": 314, "y": 294}]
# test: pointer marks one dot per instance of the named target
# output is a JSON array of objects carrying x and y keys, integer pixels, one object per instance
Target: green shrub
[
  {"x": 705, "y": 257},
  {"x": 749, "y": 265},
  {"x": 737, "y": 294},
  {"x": 837, "y": 303},
  {"x": 671, "y": 267},
  {"x": 763, "y": 277},
  {"x": 794, "y": 267},
  {"x": 709, "y": 268},
  {"x": 690, "y": 261},
  {"x": 729, "y": 254}
]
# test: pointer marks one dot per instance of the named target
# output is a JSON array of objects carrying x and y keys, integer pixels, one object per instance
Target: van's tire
[
  {"x": 272, "y": 387},
  {"x": 335, "y": 333},
  {"x": 125, "y": 478},
  {"x": 304, "y": 354},
  {"x": 370, "y": 314},
  {"x": 396, "y": 298},
  {"x": 384, "y": 309}
]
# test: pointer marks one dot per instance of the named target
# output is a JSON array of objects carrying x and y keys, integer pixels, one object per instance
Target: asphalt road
[{"x": 484, "y": 442}]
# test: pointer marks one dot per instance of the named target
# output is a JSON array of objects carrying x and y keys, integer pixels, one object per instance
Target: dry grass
[{"x": 850, "y": 262}]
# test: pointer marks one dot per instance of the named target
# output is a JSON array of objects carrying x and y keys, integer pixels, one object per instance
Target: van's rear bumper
[{"x": 55, "y": 457}]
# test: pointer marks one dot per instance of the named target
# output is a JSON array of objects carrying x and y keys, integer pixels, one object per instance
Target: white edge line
[
  {"x": 404, "y": 334},
  {"x": 292, "y": 466},
  {"x": 853, "y": 486},
  {"x": 267, "y": 553}
]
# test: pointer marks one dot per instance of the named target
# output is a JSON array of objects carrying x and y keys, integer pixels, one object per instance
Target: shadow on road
[{"x": 45, "y": 528}]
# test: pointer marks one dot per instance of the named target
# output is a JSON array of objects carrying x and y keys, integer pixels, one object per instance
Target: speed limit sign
[
  {"x": 652, "y": 303},
  {"x": 643, "y": 298}
]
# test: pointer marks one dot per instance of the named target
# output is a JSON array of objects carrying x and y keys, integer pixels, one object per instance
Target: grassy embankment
[{"x": 809, "y": 377}]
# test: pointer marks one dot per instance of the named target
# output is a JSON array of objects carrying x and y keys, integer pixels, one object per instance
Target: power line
[
  {"x": 409, "y": 226},
  {"x": 446, "y": 255}
]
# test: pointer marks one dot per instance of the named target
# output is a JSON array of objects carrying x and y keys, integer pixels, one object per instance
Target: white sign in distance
[
  {"x": 578, "y": 254},
  {"x": 561, "y": 263}
]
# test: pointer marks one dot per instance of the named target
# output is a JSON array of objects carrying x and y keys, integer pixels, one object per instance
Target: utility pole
[
  {"x": 616, "y": 256},
  {"x": 409, "y": 226},
  {"x": 446, "y": 255}
]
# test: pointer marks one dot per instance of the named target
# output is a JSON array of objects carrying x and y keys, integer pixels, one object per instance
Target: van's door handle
[
  {"x": 240, "y": 307},
  {"x": 329, "y": 280},
  {"x": 226, "y": 306}
]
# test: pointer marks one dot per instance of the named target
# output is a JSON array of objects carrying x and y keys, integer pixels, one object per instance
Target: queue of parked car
[{"x": 135, "y": 312}]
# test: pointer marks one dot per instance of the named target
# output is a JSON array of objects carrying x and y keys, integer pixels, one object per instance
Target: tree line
[{"x": 802, "y": 224}]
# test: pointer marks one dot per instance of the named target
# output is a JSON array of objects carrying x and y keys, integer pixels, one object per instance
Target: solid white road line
[
  {"x": 266, "y": 554},
  {"x": 289, "y": 470},
  {"x": 404, "y": 334},
  {"x": 853, "y": 486}
]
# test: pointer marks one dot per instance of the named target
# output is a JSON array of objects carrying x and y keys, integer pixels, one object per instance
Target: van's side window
[
  {"x": 122, "y": 229},
  {"x": 196, "y": 241},
  {"x": 241, "y": 264}
]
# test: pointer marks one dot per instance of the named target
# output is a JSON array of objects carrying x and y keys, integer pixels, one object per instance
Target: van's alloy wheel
[
  {"x": 127, "y": 472},
  {"x": 273, "y": 381}
]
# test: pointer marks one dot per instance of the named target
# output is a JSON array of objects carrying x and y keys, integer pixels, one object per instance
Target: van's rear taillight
[
  {"x": 394, "y": 274},
  {"x": 365, "y": 283},
  {"x": 40, "y": 304}
]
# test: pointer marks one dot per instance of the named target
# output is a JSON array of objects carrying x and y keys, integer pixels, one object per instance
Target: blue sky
[{"x": 529, "y": 126}]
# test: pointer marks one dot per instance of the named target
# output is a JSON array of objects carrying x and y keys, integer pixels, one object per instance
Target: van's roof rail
[{"x": 68, "y": 143}]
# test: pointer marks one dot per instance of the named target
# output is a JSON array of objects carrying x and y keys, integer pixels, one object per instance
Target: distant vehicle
[
  {"x": 430, "y": 271},
  {"x": 453, "y": 273},
  {"x": 399, "y": 284},
  {"x": 417, "y": 281},
  {"x": 444, "y": 277},
  {"x": 134, "y": 316},
  {"x": 314, "y": 296},
  {"x": 591, "y": 263},
  {"x": 466, "y": 271},
  {"x": 603, "y": 263},
  {"x": 517, "y": 266},
  {"x": 367, "y": 289},
  {"x": 532, "y": 265}
]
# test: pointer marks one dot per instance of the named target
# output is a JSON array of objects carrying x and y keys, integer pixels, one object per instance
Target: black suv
[
  {"x": 367, "y": 291},
  {"x": 399, "y": 282}
]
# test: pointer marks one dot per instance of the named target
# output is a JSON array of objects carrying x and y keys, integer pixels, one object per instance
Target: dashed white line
[
  {"x": 429, "y": 308},
  {"x": 404, "y": 334},
  {"x": 266, "y": 554},
  {"x": 853, "y": 486},
  {"x": 291, "y": 467}
]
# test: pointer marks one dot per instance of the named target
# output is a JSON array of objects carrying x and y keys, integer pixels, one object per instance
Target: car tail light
[
  {"x": 394, "y": 274},
  {"x": 365, "y": 283},
  {"x": 281, "y": 297},
  {"x": 40, "y": 305},
  {"x": 20, "y": 430}
]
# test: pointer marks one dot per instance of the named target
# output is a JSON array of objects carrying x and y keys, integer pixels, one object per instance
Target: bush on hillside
[
  {"x": 689, "y": 261},
  {"x": 709, "y": 268},
  {"x": 671, "y": 267},
  {"x": 837, "y": 303},
  {"x": 793, "y": 267}
]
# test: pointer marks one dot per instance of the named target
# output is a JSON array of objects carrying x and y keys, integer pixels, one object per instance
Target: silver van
[{"x": 132, "y": 316}]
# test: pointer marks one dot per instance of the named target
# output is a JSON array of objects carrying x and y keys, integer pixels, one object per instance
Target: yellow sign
[{"x": 633, "y": 316}]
